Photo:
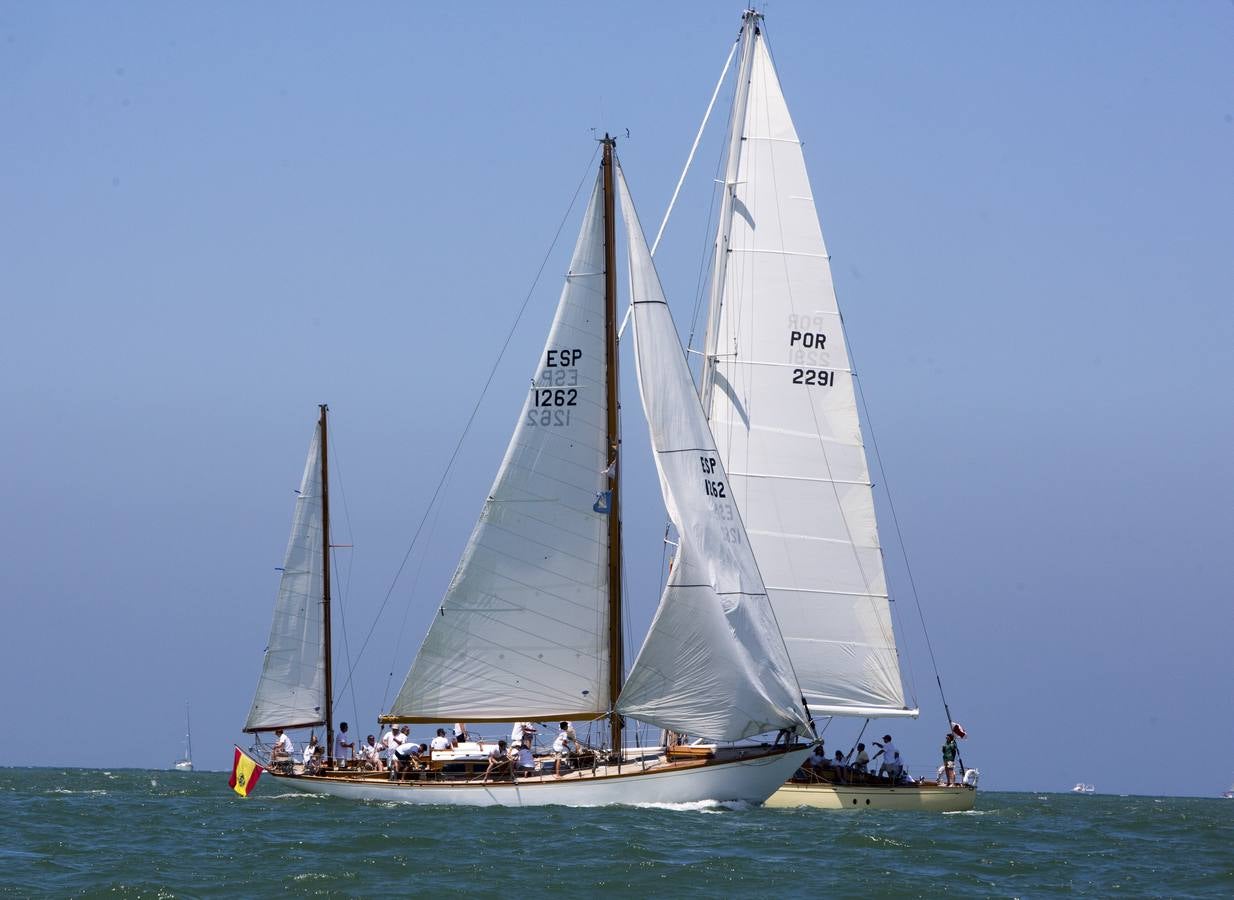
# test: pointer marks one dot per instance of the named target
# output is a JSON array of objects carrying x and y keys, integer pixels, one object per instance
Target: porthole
[
  {"x": 867, "y": 801},
  {"x": 854, "y": 801}
]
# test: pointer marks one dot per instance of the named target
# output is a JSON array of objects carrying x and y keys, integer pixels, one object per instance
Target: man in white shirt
[
  {"x": 344, "y": 746},
  {"x": 526, "y": 762},
  {"x": 370, "y": 754},
  {"x": 498, "y": 761},
  {"x": 561, "y": 746},
  {"x": 309, "y": 749},
  {"x": 407, "y": 757},
  {"x": 891, "y": 764},
  {"x": 389, "y": 741},
  {"x": 441, "y": 742},
  {"x": 522, "y": 734},
  {"x": 283, "y": 749}
]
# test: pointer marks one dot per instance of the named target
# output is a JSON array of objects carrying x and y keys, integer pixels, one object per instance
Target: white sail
[
  {"x": 781, "y": 404},
  {"x": 292, "y": 690},
  {"x": 522, "y": 632},
  {"x": 713, "y": 664}
]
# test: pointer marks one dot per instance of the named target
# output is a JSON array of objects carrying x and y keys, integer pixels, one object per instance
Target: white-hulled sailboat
[
  {"x": 185, "y": 763},
  {"x": 530, "y": 626},
  {"x": 777, "y": 387}
]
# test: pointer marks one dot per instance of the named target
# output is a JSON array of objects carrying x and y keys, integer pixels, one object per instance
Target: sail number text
[
  {"x": 555, "y": 391},
  {"x": 807, "y": 347},
  {"x": 807, "y": 341},
  {"x": 721, "y": 504}
]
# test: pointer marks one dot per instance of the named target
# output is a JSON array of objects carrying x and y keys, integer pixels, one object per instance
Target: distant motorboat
[
  {"x": 1082, "y": 788},
  {"x": 1228, "y": 795},
  {"x": 186, "y": 764}
]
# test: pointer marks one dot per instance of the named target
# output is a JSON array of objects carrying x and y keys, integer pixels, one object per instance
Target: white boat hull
[
  {"x": 913, "y": 797},
  {"x": 750, "y": 779}
]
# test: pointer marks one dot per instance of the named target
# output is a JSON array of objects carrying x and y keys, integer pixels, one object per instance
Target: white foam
[{"x": 700, "y": 806}]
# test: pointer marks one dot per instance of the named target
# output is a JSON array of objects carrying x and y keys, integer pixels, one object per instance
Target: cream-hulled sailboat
[
  {"x": 530, "y": 626},
  {"x": 777, "y": 387}
]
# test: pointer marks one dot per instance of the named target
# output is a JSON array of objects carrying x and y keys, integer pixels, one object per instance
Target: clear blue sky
[{"x": 215, "y": 218}]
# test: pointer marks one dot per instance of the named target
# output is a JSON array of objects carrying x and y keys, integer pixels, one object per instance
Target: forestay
[
  {"x": 522, "y": 632},
  {"x": 784, "y": 414},
  {"x": 713, "y": 663},
  {"x": 291, "y": 692}
]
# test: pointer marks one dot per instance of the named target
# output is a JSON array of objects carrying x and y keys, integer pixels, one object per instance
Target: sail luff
[
  {"x": 523, "y": 629},
  {"x": 713, "y": 663},
  {"x": 720, "y": 247},
  {"x": 781, "y": 402},
  {"x": 291, "y": 690}
]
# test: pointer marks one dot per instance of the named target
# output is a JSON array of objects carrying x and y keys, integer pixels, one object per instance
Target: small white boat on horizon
[
  {"x": 1082, "y": 788},
  {"x": 186, "y": 764}
]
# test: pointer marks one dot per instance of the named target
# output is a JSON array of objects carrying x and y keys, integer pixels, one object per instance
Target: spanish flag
[{"x": 244, "y": 774}]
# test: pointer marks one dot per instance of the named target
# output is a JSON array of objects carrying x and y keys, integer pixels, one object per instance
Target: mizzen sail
[
  {"x": 522, "y": 632},
  {"x": 713, "y": 663},
  {"x": 781, "y": 403},
  {"x": 292, "y": 689}
]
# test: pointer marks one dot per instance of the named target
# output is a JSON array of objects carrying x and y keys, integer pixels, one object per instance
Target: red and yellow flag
[{"x": 244, "y": 774}]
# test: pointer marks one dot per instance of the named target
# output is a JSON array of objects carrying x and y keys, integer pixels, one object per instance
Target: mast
[
  {"x": 616, "y": 665},
  {"x": 325, "y": 585},
  {"x": 749, "y": 30},
  {"x": 188, "y": 734}
]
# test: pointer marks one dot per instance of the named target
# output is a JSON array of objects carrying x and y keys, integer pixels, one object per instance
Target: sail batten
[
  {"x": 522, "y": 631},
  {"x": 713, "y": 663},
  {"x": 291, "y": 692},
  {"x": 781, "y": 401}
]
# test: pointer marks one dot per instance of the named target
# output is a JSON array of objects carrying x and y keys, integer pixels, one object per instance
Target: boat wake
[{"x": 699, "y": 806}]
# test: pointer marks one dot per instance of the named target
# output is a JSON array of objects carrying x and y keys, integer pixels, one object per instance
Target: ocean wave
[{"x": 69, "y": 791}]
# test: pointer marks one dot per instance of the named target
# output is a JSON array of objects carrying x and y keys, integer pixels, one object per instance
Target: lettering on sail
[
  {"x": 807, "y": 346},
  {"x": 718, "y": 499},
  {"x": 556, "y": 389}
]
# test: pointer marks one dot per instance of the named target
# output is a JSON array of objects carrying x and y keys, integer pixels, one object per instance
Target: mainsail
[
  {"x": 522, "y": 632},
  {"x": 713, "y": 663},
  {"x": 292, "y": 690},
  {"x": 779, "y": 394}
]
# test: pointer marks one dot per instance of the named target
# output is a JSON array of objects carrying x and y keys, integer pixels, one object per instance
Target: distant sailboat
[
  {"x": 530, "y": 626},
  {"x": 1228, "y": 795},
  {"x": 779, "y": 392},
  {"x": 186, "y": 764},
  {"x": 1082, "y": 788}
]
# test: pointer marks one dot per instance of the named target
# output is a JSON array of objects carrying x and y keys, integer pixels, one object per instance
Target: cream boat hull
[
  {"x": 911, "y": 797},
  {"x": 750, "y": 778}
]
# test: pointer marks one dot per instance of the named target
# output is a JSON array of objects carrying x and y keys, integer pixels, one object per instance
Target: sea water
[{"x": 133, "y": 833}]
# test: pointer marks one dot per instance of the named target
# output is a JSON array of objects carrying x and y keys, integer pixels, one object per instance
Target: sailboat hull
[
  {"x": 911, "y": 797},
  {"x": 750, "y": 778}
]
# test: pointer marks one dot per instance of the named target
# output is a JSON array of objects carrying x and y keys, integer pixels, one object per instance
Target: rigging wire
[
  {"x": 895, "y": 519},
  {"x": 474, "y": 411},
  {"x": 694, "y": 147}
]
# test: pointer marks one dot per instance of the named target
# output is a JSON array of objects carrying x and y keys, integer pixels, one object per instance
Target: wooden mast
[
  {"x": 325, "y": 583},
  {"x": 616, "y": 662}
]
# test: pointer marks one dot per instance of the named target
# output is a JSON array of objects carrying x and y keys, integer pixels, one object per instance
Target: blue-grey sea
[{"x": 134, "y": 833}]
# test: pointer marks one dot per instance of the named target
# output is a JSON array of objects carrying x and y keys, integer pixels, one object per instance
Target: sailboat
[
  {"x": 777, "y": 387},
  {"x": 186, "y": 763},
  {"x": 529, "y": 628}
]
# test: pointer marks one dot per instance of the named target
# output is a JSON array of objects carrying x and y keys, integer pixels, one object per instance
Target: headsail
[
  {"x": 292, "y": 689},
  {"x": 522, "y": 632},
  {"x": 713, "y": 663},
  {"x": 781, "y": 403}
]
